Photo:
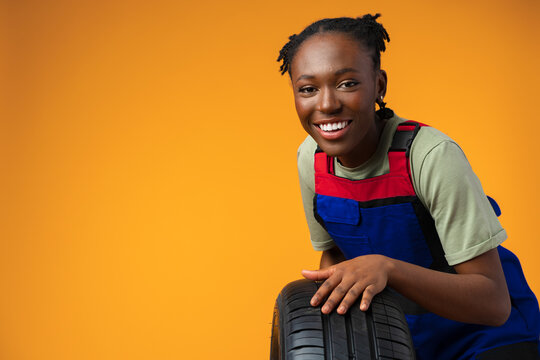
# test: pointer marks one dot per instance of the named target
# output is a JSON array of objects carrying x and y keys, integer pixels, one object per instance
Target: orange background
[{"x": 150, "y": 204}]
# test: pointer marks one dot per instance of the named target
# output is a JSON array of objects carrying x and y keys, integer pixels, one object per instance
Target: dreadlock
[{"x": 365, "y": 29}]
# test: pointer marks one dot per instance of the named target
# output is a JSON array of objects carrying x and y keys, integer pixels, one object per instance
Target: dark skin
[
  {"x": 338, "y": 85},
  {"x": 335, "y": 82}
]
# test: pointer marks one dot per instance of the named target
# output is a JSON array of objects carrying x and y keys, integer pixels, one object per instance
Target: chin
[{"x": 332, "y": 150}]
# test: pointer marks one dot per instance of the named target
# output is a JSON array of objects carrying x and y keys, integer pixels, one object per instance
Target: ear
[{"x": 382, "y": 82}]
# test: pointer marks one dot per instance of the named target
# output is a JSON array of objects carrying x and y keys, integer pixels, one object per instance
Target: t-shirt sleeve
[
  {"x": 320, "y": 239},
  {"x": 447, "y": 186}
]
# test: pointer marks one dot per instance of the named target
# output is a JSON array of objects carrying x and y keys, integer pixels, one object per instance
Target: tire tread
[{"x": 379, "y": 333}]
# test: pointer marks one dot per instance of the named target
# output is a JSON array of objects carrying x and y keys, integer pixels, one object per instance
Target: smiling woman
[
  {"x": 335, "y": 84},
  {"x": 392, "y": 202}
]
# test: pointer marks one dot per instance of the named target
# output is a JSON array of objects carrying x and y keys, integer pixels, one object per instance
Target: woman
[{"x": 395, "y": 203}]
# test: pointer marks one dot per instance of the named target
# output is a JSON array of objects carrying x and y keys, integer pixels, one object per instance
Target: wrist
[{"x": 391, "y": 269}]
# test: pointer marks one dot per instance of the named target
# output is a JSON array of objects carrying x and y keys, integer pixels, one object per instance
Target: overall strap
[
  {"x": 404, "y": 136},
  {"x": 323, "y": 164},
  {"x": 401, "y": 143},
  {"x": 400, "y": 151}
]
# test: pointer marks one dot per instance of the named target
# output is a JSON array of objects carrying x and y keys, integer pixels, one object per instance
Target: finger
[
  {"x": 318, "y": 274},
  {"x": 337, "y": 295},
  {"x": 352, "y": 295},
  {"x": 326, "y": 288},
  {"x": 369, "y": 292}
]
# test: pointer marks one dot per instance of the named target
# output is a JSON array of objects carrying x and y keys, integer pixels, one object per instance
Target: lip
[{"x": 334, "y": 135}]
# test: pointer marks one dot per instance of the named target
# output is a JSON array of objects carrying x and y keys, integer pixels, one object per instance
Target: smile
[{"x": 333, "y": 126}]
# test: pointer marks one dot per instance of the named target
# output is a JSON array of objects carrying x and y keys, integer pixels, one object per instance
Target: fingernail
[
  {"x": 314, "y": 301},
  {"x": 341, "y": 309},
  {"x": 363, "y": 307},
  {"x": 325, "y": 308}
]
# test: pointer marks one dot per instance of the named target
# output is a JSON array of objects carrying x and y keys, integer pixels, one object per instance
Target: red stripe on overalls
[{"x": 394, "y": 184}]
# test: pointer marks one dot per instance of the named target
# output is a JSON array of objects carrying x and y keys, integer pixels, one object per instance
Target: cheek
[
  {"x": 302, "y": 109},
  {"x": 360, "y": 101}
]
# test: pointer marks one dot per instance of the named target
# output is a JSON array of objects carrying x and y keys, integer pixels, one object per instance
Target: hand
[{"x": 364, "y": 275}]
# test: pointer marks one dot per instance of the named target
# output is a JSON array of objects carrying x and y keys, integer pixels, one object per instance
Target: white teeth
[{"x": 333, "y": 126}]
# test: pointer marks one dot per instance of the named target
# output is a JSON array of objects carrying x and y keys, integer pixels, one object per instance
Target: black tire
[{"x": 301, "y": 332}]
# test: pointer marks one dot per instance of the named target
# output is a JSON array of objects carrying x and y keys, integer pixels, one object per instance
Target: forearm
[
  {"x": 476, "y": 294},
  {"x": 480, "y": 298},
  {"x": 331, "y": 257}
]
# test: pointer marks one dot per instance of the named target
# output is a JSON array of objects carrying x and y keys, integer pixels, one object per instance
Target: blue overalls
[{"x": 383, "y": 215}]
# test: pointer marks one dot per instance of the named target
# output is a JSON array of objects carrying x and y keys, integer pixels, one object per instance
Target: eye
[
  {"x": 348, "y": 84},
  {"x": 307, "y": 90}
]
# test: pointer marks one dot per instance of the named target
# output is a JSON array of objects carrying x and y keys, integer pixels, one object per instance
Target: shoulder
[
  {"x": 452, "y": 193},
  {"x": 434, "y": 150},
  {"x": 305, "y": 154},
  {"x": 307, "y": 149},
  {"x": 428, "y": 139}
]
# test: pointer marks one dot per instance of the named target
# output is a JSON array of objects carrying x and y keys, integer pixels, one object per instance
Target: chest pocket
[
  {"x": 390, "y": 230},
  {"x": 342, "y": 218}
]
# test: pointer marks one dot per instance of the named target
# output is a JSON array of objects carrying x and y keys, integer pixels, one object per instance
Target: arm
[
  {"x": 331, "y": 257},
  {"x": 320, "y": 239},
  {"x": 476, "y": 294}
]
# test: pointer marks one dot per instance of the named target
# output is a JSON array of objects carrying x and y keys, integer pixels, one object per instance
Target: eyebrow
[{"x": 339, "y": 72}]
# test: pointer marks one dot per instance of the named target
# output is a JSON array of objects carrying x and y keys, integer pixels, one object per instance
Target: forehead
[{"x": 329, "y": 52}]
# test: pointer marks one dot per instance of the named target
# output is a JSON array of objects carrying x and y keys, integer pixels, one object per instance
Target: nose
[{"x": 328, "y": 102}]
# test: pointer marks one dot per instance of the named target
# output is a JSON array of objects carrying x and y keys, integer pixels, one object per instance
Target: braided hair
[{"x": 365, "y": 29}]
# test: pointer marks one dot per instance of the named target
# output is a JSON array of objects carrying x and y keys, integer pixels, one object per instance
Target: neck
[{"x": 368, "y": 148}]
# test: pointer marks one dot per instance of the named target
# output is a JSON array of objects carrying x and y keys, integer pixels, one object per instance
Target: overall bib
[{"x": 383, "y": 215}]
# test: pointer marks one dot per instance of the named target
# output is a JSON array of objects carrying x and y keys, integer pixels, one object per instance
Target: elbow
[
  {"x": 498, "y": 305},
  {"x": 502, "y": 316}
]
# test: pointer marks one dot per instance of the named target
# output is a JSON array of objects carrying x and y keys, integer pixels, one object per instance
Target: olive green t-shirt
[{"x": 443, "y": 180}]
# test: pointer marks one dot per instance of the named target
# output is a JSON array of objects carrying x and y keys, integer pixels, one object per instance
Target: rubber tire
[{"x": 301, "y": 332}]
